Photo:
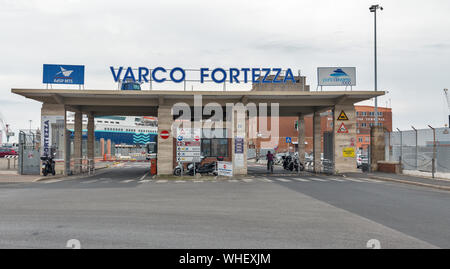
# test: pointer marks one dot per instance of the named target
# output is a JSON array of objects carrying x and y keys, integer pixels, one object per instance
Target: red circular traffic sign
[{"x": 164, "y": 134}]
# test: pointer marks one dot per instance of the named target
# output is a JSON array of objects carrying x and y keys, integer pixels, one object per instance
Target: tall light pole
[{"x": 373, "y": 9}]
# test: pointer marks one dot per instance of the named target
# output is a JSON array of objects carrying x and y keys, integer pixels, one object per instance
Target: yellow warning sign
[
  {"x": 348, "y": 152},
  {"x": 342, "y": 116}
]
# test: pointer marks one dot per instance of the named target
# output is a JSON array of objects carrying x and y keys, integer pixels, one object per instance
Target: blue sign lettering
[{"x": 217, "y": 75}]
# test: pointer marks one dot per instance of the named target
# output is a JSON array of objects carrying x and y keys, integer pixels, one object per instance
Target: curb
[
  {"x": 68, "y": 177},
  {"x": 439, "y": 187}
]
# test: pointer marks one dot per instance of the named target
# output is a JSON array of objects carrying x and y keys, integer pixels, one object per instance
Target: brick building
[{"x": 365, "y": 119}]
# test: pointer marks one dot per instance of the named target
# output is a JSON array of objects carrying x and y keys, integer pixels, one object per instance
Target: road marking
[
  {"x": 89, "y": 181},
  {"x": 368, "y": 180},
  {"x": 142, "y": 178},
  {"x": 247, "y": 180},
  {"x": 317, "y": 179},
  {"x": 145, "y": 181},
  {"x": 301, "y": 179},
  {"x": 180, "y": 181},
  {"x": 52, "y": 181},
  {"x": 336, "y": 179},
  {"x": 198, "y": 181},
  {"x": 352, "y": 179},
  {"x": 126, "y": 181},
  {"x": 105, "y": 181},
  {"x": 233, "y": 180},
  {"x": 282, "y": 179},
  {"x": 161, "y": 181},
  {"x": 263, "y": 179}
]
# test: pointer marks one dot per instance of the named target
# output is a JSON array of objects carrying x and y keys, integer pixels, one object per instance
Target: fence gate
[
  {"x": 328, "y": 154},
  {"x": 29, "y": 157}
]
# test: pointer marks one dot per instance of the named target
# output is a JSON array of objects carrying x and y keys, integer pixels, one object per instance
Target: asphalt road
[{"x": 122, "y": 208}]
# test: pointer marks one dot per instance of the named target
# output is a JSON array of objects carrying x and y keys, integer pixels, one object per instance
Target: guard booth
[{"x": 29, "y": 157}]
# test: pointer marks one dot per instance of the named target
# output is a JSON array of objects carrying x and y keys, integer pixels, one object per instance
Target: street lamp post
[{"x": 373, "y": 9}]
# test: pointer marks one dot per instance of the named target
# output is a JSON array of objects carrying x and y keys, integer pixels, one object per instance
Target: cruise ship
[{"x": 128, "y": 130}]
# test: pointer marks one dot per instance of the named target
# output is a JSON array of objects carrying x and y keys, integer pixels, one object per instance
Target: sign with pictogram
[
  {"x": 188, "y": 145},
  {"x": 164, "y": 134},
  {"x": 348, "y": 152},
  {"x": 225, "y": 169},
  {"x": 342, "y": 116},
  {"x": 342, "y": 129}
]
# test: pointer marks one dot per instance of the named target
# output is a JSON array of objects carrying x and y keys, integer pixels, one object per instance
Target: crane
[{"x": 448, "y": 103}]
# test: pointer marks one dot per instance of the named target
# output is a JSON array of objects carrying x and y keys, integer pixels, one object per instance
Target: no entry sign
[{"x": 164, "y": 134}]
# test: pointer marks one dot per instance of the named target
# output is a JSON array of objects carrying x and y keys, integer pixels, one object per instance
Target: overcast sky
[{"x": 413, "y": 38}]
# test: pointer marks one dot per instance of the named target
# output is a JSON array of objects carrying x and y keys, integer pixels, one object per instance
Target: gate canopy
[{"x": 145, "y": 102}]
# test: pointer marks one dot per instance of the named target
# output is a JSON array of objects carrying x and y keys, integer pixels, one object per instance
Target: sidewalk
[
  {"x": 442, "y": 184},
  {"x": 15, "y": 178}
]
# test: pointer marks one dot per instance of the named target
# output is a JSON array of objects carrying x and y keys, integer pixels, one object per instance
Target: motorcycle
[
  {"x": 292, "y": 163},
  {"x": 203, "y": 169},
  {"x": 48, "y": 165}
]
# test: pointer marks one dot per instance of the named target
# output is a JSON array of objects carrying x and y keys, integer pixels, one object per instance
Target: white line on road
[
  {"x": 160, "y": 181},
  {"x": 142, "y": 178},
  {"x": 52, "y": 181},
  {"x": 368, "y": 180},
  {"x": 353, "y": 179},
  {"x": 233, "y": 180},
  {"x": 282, "y": 179},
  {"x": 336, "y": 179},
  {"x": 145, "y": 181},
  {"x": 301, "y": 179},
  {"x": 126, "y": 181},
  {"x": 317, "y": 179},
  {"x": 180, "y": 181},
  {"x": 263, "y": 179},
  {"x": 198, "y": 181},
  {"x": 247, "y": 180},
  {"x": 89, "y": 181}
]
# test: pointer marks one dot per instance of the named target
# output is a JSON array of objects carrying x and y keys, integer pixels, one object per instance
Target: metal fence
[{"x": 426, "y": 150}]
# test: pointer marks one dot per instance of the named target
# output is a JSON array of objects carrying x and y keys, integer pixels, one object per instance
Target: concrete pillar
[
  {"x": 317, "y": 142},
  {"x": 345, "y": 139},
  {"x": 91, "y": 140},
  {"x": 377, "y": 146},
  {"x": 239, "y": 159},
  {"x": 78, "y": 142},
  {"x": 51, "y": 114},
  {"x": 165, "y": 146},
  {"x": 102, "y": 148},
  {"x": 301, "y": 138}
]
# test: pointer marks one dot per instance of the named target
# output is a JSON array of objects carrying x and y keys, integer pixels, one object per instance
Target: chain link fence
[{"x": 425, "y": 150}]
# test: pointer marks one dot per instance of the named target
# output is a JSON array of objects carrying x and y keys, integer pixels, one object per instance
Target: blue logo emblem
[
  {"x": 288, "y": 139},
  {"x": 63, "y": 74},
  {"x": 339, "y": 73},
  {"x": 180, "y": 138}
]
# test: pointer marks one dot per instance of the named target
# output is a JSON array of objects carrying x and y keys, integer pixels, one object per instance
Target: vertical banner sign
[
  {"x": 239, "y": 145},
  {"x": 63, "y": 74},
  {"x": 46, "y": 133}
]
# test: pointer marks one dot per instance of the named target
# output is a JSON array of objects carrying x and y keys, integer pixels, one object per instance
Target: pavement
[{"x": 123, "y": 207}]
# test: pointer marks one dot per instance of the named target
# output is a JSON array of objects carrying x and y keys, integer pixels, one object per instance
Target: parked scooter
[
  {"x": 204, "y": 169},
  {"x": 292, "y": 163},
  {"x": 48, "y": 165}
]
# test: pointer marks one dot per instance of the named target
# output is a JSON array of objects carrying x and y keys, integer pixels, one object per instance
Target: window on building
[
  {"x": 367, "y": 138},
  {"x": 371, "y": 113},
  {"x": 360, "y": 139},
  {"x": 363, "y": 124},
  {"x": 215, "y": 147}
]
